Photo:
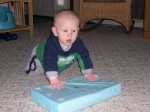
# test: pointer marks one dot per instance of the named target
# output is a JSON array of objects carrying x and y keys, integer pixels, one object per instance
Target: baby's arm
[{"x": 54, "y": 82}]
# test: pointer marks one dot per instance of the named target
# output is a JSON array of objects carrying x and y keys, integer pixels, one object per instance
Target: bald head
[{"x": 65, "y": 15}]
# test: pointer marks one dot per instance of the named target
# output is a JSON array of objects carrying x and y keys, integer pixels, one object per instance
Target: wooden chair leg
[{"x": 129, "y": 29}]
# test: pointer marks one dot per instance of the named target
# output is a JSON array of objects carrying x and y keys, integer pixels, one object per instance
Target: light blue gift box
[{"x": 77, "y": 94}]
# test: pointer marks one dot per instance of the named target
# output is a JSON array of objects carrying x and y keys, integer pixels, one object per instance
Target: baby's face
[{"x": 66, "y": 30}]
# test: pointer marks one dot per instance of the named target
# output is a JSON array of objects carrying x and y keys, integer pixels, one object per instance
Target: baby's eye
[
  {"x": 74, "y": 31},
  {"x": 65, "y": 30}
]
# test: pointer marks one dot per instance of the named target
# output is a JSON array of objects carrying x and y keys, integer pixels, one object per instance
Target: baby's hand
[
  {"x": 56, "y": 83},
  {"x": 90, "y": 77}
]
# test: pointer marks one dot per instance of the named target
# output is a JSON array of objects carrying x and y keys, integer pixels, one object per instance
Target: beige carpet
[{"x": 118, "y": 56}]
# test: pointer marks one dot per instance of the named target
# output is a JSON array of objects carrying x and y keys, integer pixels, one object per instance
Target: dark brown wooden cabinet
[{"x": 147, "y": 19}]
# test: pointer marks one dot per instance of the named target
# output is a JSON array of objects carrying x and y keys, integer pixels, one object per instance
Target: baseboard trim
[{"x": 138, "y": 23}]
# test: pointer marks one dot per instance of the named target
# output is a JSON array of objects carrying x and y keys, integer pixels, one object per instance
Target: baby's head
[
  {"x": 66, "y": 27},
  {"x": 64, "y": 16}
]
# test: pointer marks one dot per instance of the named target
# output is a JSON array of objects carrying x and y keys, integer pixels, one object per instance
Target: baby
[{"x": 60, "y": 50}]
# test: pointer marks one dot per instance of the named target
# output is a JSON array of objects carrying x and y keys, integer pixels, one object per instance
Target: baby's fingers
[
  {"x": 57, "y": 85},
  {"x": 90, "y": 77}
]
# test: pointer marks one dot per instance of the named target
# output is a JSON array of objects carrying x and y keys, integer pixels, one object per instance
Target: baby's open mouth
[{"x": 68, "y": 41}]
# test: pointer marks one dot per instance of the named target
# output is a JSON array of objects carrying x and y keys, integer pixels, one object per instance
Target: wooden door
[{"x": 147, "y": 19}]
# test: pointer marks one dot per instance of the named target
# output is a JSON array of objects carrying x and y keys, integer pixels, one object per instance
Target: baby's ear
[{"x": 54, "y": 31}]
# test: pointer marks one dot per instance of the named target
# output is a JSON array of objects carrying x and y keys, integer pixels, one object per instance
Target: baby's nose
[{"x": 69, "y": 34}]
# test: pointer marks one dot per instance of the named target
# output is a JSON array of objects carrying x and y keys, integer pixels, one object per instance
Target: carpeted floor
[{"x": 118, "y": 56}]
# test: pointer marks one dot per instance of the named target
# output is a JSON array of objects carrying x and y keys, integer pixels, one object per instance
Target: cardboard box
[{"x": 76, "y": 95}]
